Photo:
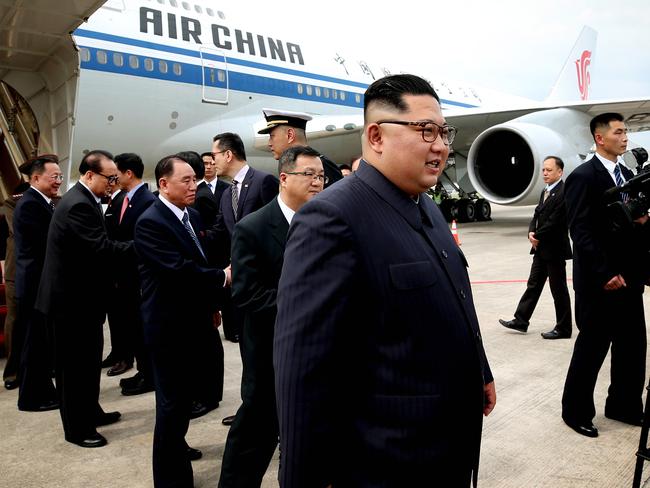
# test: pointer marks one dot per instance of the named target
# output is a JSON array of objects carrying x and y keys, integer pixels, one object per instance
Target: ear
[
  {"x": 283, "y": 179},
  {"x": 598, "y": 137},
  {"x": 374, "y": 138},
  {"x": 291, "y": 134},
  {"x": 162, "y": 185}
]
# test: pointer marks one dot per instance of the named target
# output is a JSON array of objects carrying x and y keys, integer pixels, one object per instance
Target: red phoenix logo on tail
[{"x": 584, "y": 78}]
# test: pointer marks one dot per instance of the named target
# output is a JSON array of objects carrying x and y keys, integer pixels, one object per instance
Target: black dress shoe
[
  {"x": 11, "y": 384},
  {"x": 132, "y": 380},
  {"x": 108, "y": 418},
  {"x": 228, "y": 420},
  {"x": 587, "y": 429},
  {"x": 514, "y": 325},
  {"x": 636, "y": 420},
  {"x": 94, "y": 440},
  {"x": 555, "y": 334},
  {"x": 234, "y": 338},
  {"x": 137, "y": 388},
  {"x": 119, "y": 368},
  {"x": 194, "y": 454},
  {"x": 109, "y": 361},
  {"x": 45, "y": 406},
  {"x": 200, "y": 409}
]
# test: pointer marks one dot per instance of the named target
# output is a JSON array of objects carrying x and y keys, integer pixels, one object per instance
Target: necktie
[
  {"x": 210, "y": 186},
  {"x": 546, "y": 194},
  {"x": 52, "y": 205},
  {"x": 188, "y": 228},
  {"x": 619, "y": 180},
  {"x": 125, "y": 204},
  {"x": 235, "y": 197}
]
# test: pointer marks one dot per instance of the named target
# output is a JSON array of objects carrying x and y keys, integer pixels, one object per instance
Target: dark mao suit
[
  {"x": 207, "y": 203},
  {"x": 72, "y": 291},
  {"x": 126, "y": 324},
  {"x": 550, "y": 226},
  {"x": 31, "y": 223},
  {"x": 604, "y": 317},
  {"x": 379, "y": 363},
  {"x": 257, "y": 254},
  {"x": 178, "y": 301}
]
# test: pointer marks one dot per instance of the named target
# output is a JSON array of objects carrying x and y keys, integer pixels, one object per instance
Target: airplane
[{"x": 160, "y": 76}]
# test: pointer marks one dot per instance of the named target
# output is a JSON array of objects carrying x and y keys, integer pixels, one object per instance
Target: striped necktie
[
  {"x": 619, "y": 180},
  {"x": 188, "y": 228},
  {"x": 235, "y": 197}
]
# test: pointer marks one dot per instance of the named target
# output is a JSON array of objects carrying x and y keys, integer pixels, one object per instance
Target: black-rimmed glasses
[
  {"x": 313, "y": 176},
  {"x": 429, "y": 129},
  {"x": 219, "y": 152},
  {"x": 111, "y": 179}
]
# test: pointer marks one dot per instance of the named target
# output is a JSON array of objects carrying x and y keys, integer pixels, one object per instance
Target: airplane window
[
  {"x": 134, "y": 62},
  {"x": 198, "y": 9},
  {"x": 148, "y": 64},
  {"x": 177, "y": 69},
  {"x": 173, "y": 3},
  {"x": 342, "y": 95},
  {"x": 161, "y": 2},
  {"x": 101, "y": 57},
  {"x": 84, "y": 54},
  {"x": 317, "y": 90},
  {"x": 335, "y": 94},
  {"x": 300, "y": 89},
  {"x": 210, "y": 12},
  {"x": 221, "y": 15},
  {"x": 221, "y": 75},
  {"x": 357, "y": 98},
  {"x": 309, "y": 90},
  {"x": 326, "y": 92},
  {"x": 186, "y": 6},
  {"x": 162, "y": 66},
  {"x": 118, "y": 59}
]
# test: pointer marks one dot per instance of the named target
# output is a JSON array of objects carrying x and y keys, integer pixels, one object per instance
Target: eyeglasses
[
  {"x": 429, "y": 129},
  {"x": 312, "y": 175},
  {"x": 56, "y": 177},
  {"x": 111, "y": 179},
  {"x": 219, "y": 152}
]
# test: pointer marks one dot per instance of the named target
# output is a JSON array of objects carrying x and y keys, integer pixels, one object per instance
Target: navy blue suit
[
  {"x": 31, "y": 222},
  {"x": 208, "y": 203},
  {"x": 378, "y": 357},
  {"x": 603, "y": 317},
  {"x": 178, "y": 301}
]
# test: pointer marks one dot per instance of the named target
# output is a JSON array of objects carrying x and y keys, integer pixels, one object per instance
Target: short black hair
[
  {"x": 229, "y": 141},
  {"x": 130, "y": 161},
  {"x": 93, "y": 161},
  {"x": 390, "y": 90},
  {"x": 165, "y": 167},
  {"x": 287, "y": 161},
  {"x": 603, "y": 120},
  {"x": 345, "y": 166},
  {"x": 36, "y": 166},
  {"x": 206, "y": 154},
  {"x": 558, "y": 161},
  {"x": 195, "y": 161}
]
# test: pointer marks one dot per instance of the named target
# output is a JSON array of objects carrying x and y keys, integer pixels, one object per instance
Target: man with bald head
[
  {"x": 72, "y": 293},
  {"x": 392, "y": 328}
]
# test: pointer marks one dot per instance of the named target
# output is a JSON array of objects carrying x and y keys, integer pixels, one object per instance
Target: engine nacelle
[{"x": 505, "y": 161}]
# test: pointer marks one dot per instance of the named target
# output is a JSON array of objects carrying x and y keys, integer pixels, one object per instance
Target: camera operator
[{"x": 609, "y": 271}]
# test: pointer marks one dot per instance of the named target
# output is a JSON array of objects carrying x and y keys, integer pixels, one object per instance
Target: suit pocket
[{"x": 409, "y": 276}]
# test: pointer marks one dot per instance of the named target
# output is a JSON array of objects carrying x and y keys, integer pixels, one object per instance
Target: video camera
[{"x": 628, "y": 202}]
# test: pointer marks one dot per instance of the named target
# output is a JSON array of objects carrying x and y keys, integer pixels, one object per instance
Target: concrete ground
[{"x": 525, "y": 442}]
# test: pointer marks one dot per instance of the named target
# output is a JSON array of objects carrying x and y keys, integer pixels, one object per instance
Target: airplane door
[{"x": 214, "y": 67}]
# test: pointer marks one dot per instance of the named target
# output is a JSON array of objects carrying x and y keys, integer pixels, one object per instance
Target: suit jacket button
[
  {"x": 462, "y": 294},
  {"x": 444, "y": 254}
]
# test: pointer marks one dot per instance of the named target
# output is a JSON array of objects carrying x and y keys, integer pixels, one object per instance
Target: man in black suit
[
  {"x": 381, "y": 376},
  {"x": 178, "y": 294},
  {"x": 71, "y": 293},
  {"x": 209, "y": 191},
  {"x": 549, "y": 237},
  {"x": 609, "y": 271},
  {"x": 127, "y": 339},
  {"x": 287, "y": 129},
  {"x": 31, "y": 222},
  {"x": 257, "y": 254}
]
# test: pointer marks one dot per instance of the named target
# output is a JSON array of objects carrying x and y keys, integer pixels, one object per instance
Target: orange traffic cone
[{"x": 454, "y": 232}]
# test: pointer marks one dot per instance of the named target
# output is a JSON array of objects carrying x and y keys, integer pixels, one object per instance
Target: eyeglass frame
[
  {"x": 218, "y": 152},
  {"x": 451, "y": 134},
  {"x": 111, "y": 179},
  {"x": 314, "y": 176},
  {"x": 59, "y": 177}
]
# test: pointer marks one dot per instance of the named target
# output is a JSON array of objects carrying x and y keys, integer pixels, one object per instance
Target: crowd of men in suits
[{"x": 360, "y": 293}]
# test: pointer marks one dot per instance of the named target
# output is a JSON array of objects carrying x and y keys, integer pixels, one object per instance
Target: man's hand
[
  {"x": 642, "y": 220},
  {"x": 615, "y": 283},
  {"x": 533, "y": 241},
  {"x": 228, "y": 272},
  {"x": 490, "y": 393}
]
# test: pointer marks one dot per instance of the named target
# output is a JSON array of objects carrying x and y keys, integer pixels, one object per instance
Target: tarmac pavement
[{"x": 525, "y": 442}]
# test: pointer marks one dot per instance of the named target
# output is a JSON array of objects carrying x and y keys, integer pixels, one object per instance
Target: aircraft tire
[
  {"x": 483, "y": 210},
  {"x": 466, "y": 210}
]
